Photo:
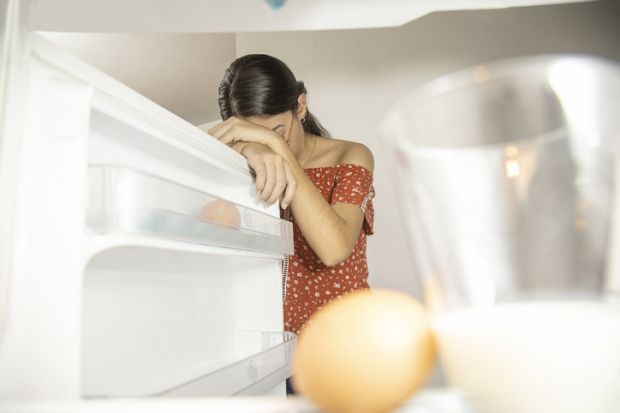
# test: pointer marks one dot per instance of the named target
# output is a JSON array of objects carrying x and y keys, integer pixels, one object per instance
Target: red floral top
[{"x": 309, "y": 284}]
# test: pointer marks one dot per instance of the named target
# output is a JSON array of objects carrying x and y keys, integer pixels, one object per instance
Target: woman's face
[{"x": 287, "y": 125}]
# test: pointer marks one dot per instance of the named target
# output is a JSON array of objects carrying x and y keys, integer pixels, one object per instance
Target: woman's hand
[
  {"x": 234, "y": 130},
  {"x": 274, "y": 178}
]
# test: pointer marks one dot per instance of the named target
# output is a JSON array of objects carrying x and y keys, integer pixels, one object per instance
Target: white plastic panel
[
  {"x": 40, "y": 347},
  {"x": 129, "y": 202},
  {"x": 13, "y": 79},
  {"x": 268, "y": 364},
  {"x": 612, "y": 272},
  {"x": 155, "y": 320},
  {"x": 133, "y": 16},
  {"x": 425, "y": 401}
]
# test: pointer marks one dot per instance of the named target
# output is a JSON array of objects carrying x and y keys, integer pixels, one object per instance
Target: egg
[
  {"x": 434, "y": 296},
  {"x": 221, "y": 212},
  {"x": 365, "y": 352}
]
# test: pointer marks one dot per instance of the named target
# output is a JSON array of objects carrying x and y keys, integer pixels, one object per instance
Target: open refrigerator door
[{"x": 124, "y": 283}]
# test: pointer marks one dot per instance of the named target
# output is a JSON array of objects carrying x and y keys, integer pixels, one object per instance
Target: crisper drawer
[{"x": 129, "y": 202}]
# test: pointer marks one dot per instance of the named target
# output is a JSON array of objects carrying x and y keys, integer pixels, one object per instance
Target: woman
[{"x": 324, "y": 185}]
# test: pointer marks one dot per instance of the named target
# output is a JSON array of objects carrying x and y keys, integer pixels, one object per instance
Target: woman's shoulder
[{"x": 347, "y": 152}]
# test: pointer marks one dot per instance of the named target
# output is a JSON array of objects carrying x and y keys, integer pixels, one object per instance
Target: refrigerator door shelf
[
  {"x": 125, "y": 201},
  {"x": 154, "y": 320},
  {"x": 252, "y": 375},
  {"x": 94, "y": 244},
  {"x": 258, "y": 362}
]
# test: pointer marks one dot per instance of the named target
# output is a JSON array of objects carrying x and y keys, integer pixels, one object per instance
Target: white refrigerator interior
[
  {"x": 116, "y": 293},
  {"x": 120, "y": 286}
]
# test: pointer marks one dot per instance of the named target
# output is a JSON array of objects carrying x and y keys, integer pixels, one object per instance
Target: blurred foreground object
[
  {"x": 507, "y": 177},
  {"x": 367, "y": 352}
]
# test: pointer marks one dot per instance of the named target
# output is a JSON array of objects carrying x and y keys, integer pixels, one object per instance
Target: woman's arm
[
  {"x": 274, "y": 179},
  {"x": 331, "y": 230}
]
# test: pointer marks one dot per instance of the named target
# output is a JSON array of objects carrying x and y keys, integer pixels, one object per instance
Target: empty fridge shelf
[
  {"x": 252, "y": 375},
  {"x": 129, "y": 202},
  {"x": 255, "y": 362}
]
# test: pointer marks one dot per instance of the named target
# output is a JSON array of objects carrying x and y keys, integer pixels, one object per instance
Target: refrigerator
[{"x": 117, "y": 293}]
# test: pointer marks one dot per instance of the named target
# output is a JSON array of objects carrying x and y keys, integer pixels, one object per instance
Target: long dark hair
[{"x": 261, "y": 85}]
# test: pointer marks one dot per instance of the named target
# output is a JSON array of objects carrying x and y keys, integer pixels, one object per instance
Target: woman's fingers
[
  {"x": 233, "y": 134},
  {"x": 274, "y": 178},
  {"x": 291, "y": 187},
  {"x": 228, "y": 132},
  {"x": 261, "y": 174},
  {"x": 280, "y": 181},
  {"x": 270, "y": 179},
  {"x": 234, "y": 130},
  {"x": 218, "y": 130},
  {"x": 237, "y": 130}
]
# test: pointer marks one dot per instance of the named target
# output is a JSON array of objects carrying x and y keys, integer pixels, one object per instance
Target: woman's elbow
[{"x": 335, "y": 256}]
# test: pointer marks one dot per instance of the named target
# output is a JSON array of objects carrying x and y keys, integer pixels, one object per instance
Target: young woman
[{"x": 324, "y": 185}]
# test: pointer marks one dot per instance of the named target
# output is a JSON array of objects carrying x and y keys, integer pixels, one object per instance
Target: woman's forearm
[{"x": 330, "y": 235}]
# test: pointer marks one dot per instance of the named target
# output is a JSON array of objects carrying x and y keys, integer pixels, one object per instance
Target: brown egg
[
  {"x": 221, "y": 212},
  {"x": 366, "y": 352}
]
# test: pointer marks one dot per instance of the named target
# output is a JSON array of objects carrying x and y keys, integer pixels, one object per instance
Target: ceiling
[
  {"x": 236, "y": 16},
  {"x": 181, "y": 66}
]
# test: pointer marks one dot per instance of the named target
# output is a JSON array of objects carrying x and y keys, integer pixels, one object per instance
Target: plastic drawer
[{"x": 129, "y": 202}]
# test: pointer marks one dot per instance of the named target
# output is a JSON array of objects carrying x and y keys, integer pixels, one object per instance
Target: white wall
[{"x": 354, "y": 76}]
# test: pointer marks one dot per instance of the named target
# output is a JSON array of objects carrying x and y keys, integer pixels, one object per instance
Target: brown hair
[{"x": 261, "y": 85}]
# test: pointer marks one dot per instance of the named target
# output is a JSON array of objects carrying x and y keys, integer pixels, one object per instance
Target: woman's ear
[{"x": 302, "y": 106}]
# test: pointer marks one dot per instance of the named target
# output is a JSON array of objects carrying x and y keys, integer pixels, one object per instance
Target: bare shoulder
[
  {"x": 331, "y": 151},
  {"x": 358, "y": 154}
]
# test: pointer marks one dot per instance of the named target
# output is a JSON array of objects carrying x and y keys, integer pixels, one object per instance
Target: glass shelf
[{"x": 124, "y": 201}]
